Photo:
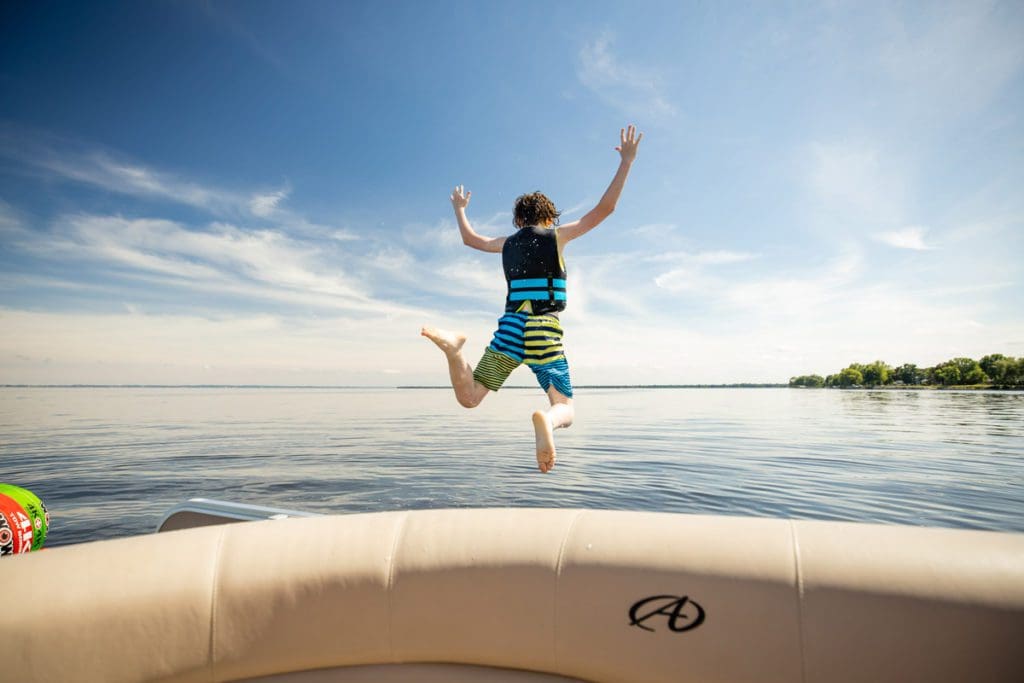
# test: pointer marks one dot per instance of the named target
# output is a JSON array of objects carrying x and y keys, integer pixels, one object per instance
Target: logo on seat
[{"x": 681, "y": 613}]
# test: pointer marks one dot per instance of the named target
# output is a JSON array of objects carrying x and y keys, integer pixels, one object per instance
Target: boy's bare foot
[
  {"x": 449, "y": 342},
  {"x": 545, "y": 441}
]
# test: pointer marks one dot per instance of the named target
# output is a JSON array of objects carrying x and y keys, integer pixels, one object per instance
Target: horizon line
[{"x": 378, "y": 386}]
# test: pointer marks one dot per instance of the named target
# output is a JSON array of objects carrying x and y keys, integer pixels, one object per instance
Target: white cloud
[
  {"x": 710, "y": 258},
  {"x": 653, "y": 229},
  {"x": 690, "y": 273},
  {"x": 685, "y": 280},
  {"x": 223, "y": 259},
  {"x": 125, "y": 347},
  {"x": 632, "y": 88},
  {"x": 783, "y": 295},
  {"x": 789, "y": 296},
  {"x": 857, "y": 185},
  {"x": 770, "y": 328},
  {"x": 343, "y": 236},
  {"x": 11, "y": 226},
  {"x": 723, "y": 257},
  {"x": 222, "y": 251},
  {"x": 442, "y": 236},
  {"x": 101, "y": 170},
  {"x": 265, "y": 204},
  {"x": 846, "y": 324},
  {"x": 908, "y": 238},
  {"x": 567, "y": 214},
  {"x": 474, "y": 279},
  {"x": 391, "y": 260}
]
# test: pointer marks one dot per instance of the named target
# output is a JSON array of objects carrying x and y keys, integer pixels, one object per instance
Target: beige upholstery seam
[
  {"x": 390, "y": 586},
  {"x": 213, "y": 603},
  {"x": 799, "y": 599},
  {"x": 558, "y": 577}
]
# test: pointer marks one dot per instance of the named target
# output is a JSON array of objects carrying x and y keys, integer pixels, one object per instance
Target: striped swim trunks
[{"x": 535, "y": 340}]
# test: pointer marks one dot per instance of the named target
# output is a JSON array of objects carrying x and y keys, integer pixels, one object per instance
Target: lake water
[{"x": 110, "y": 461}]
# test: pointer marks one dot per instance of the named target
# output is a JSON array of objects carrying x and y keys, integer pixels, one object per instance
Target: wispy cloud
[
  {"x": 653, "y": 229},
  {"x": 10, "y": 223},
  {"x": 954, "y": 61},
  {"x": 222, "y": 260},
  {"x": 287, "y": 260},
  {"x": 685, "y": 280},
  {"x": 776, "y": 295},
  {"x": 266, "y": 204},
  {"x": 704, "y": 258},
  {"x": 101, "y": 168},
  {"x": 856, "y": 184},
  {"x": 632, "y": 88},
  {"x": 575, "y": 209},
  {"x": 908, "y": 238},
  {"x": 476, "y": 280},
  {"x": 691, "y": 270}
]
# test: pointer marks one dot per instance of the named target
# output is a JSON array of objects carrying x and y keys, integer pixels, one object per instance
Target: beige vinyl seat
[{"x": 517, "y": 595}]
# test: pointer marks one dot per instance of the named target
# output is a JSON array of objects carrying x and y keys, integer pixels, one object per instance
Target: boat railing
[{"x": 197, "y": 512}]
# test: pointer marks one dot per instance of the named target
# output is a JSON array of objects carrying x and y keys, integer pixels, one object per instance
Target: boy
[{"x": 529, "y": 332}]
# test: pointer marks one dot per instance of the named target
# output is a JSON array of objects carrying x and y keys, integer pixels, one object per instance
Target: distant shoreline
[
  {"x": 438, "y": 387},
  {"x": 633, "y": 386},
  {"x": 354, "y": 386},
  {"x": 920, "y": 387}
]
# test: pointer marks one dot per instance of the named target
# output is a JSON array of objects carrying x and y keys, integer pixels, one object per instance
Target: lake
[{"x": 109, "y": 462}]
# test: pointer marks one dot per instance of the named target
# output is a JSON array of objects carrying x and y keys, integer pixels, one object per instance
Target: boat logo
[{"x": 682, "y": 613}]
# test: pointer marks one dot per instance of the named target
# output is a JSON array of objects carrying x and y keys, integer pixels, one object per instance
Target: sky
[{"x": 258, "y": 192}]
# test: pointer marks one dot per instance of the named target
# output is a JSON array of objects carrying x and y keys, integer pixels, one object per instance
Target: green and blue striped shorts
[{"x": 535, "y": 340}]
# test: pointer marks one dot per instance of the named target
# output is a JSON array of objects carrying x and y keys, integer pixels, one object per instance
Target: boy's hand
[
  {"x": 459, "y": 199},
  {"x": 628, "y": 142}
]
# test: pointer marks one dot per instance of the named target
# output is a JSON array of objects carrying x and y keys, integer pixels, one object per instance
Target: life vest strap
[{"x": 530, "y": 289}]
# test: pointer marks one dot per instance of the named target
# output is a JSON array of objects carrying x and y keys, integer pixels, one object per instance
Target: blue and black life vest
[{"x": 534, "y": 272}]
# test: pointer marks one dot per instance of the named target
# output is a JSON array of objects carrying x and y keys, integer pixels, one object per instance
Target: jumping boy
[{"x": 529, "y": 332}]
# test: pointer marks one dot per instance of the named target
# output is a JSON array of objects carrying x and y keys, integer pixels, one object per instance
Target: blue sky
[{"x": 252, "y": 192}]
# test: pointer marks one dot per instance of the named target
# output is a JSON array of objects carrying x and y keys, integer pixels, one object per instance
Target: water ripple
[{"x": 109, "y": 462}]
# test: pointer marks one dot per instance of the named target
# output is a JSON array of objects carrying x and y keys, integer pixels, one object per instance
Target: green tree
[
  {"x": 947, "y": 374},
  {"x": 975, "y": 376},
  {"x": 1000, "y": 371},
  {"x": 969, "y": 368},
  {"x": 850, "y": 376},
  {"x": 876, "y": 373},
  {"x": 812, "y": 381},
  {"x": 1014, "y": 376},
  {"x": 908, "y": 374},
  {"x": 988, "y": 365}
]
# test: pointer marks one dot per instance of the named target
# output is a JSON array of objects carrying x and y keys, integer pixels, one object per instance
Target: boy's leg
[
  {"x": 544, "y": 338},
  {"x": 468, "y": 392},
  {"x": 558, "y": 416}
]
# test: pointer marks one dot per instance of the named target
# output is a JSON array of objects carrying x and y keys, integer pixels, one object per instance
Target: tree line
[{"x": 994, "y": 369}]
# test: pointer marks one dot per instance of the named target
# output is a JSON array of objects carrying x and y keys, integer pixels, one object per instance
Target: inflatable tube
[
  {"x": 15, "y": 528},
  {"x": 520, "y": 595},
  {"x": 34, "y": 509}
]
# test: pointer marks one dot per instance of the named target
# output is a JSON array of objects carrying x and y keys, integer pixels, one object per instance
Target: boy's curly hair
[{"x": 534, "y": 209}]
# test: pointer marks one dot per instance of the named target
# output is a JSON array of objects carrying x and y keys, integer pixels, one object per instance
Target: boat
[{"x": 229, "y": 593}]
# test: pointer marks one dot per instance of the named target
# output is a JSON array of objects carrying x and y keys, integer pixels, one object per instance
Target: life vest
[{"x": 534, "y": 271}]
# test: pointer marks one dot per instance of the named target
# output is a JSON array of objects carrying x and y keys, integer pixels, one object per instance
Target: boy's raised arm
[
  {"x": 460, "y": 199},
  {"x": 629, "y": 141}
]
